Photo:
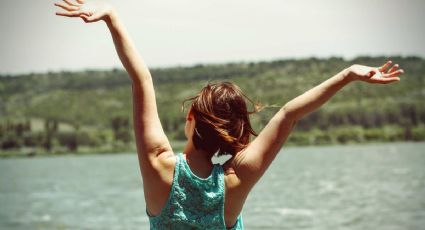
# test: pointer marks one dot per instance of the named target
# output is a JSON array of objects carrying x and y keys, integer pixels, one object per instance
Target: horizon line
[{"x": 208, "y": 63}]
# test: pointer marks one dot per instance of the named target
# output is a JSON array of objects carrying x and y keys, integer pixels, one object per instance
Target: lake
[{"x": 376, "y": 186}]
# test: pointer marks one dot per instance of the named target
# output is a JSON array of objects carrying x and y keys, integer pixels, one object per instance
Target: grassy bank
[{"x": 90, "y": 111}]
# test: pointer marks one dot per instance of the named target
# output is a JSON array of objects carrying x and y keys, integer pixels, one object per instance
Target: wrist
[
  {"x": 110, "y": 16},
  {"x": 347, "y": 75}
]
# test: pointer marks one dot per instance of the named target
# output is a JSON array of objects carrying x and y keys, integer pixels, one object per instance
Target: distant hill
[{"x": 96, "y": 105}]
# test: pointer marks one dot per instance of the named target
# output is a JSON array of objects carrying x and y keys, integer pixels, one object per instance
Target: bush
[
  {"x": 33, "y": 139},
  {"x": 10, "y": 140},
  {"x": 319, "y": 137},
  {"x": 418, "y": 133},
  {"x": 349, "y": 134},
  {"x": 374, "y": 134},
  {"x": 299, "y": 138},
  {"x": 393, "y": 133},
  {"x": 68, "y": 139}
]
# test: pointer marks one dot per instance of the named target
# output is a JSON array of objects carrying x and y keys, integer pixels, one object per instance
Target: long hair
[{"x": 221, "y": 118}]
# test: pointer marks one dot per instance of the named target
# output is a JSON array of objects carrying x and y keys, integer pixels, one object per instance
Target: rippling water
[{"x": 340, "y": 187}]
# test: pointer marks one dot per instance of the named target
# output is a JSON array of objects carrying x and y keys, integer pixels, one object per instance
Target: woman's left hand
[
  {"x": 387, "y": 73},
  {"x": 88, "y": 11}
]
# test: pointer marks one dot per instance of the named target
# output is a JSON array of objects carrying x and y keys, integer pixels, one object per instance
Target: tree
[
  {"x": 121, "y": 128},
  {"x": 50, "y": 129}
]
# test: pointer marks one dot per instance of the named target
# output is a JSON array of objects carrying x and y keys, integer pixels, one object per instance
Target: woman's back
[{"x": 194, "y": 202}]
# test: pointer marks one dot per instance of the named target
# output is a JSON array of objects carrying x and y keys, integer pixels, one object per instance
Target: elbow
[
  {"x": 288, "y": 114},
  {"x": 140, "y": 80}
]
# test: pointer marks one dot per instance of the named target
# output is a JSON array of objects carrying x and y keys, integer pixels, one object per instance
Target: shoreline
[{"x": 14, "y": 154}]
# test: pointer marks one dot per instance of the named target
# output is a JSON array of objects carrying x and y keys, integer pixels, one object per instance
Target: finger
[
  {"x": 80, "y": 1},
  {"x": 90, "y": 18},
  {"x": 394, "y": 74},
  {"x": 69, "y": 14},
  {"x": 384, "y": 80},
  {"x": 67, "y": 7},
  {"x": 385, "y": 66},
  {"x": 71, "y": 3},
  {"x": 394, "y": 68},
  {"x": 85, "y": 18}
]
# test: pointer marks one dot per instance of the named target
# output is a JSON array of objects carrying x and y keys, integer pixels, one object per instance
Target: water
[{"x": 352, "y": 187}]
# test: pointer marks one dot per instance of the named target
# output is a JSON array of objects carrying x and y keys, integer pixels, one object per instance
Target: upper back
[{"x": 193, "y": 202}]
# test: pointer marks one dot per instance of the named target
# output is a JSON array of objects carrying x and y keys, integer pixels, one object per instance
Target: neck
[
  {"x": 198, "y": 160},
  {"x": 197, "y": 155}
]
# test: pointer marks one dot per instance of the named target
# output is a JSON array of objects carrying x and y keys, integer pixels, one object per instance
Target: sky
[{"x": 187, "y": 32}]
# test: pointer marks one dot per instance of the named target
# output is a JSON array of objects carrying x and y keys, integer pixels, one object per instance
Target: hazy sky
[{"x": 185, "y": 32}]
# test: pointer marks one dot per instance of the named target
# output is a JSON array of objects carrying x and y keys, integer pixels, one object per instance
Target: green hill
[{"x": 90, "y": 111}]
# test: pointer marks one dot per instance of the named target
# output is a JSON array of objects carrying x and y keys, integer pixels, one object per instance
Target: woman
[{"x": 186, "y": 191}]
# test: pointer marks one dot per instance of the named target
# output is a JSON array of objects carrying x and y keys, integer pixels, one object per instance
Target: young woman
[{"x": 186, "y": 191}]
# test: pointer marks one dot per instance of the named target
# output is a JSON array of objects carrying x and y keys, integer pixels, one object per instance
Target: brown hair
[{"x": 221, "y": 118}]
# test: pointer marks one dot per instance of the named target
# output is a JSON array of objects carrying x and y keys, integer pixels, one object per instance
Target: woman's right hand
[
  {"x": 387, "y": 73},
  {"x": 88, "y": 11}
]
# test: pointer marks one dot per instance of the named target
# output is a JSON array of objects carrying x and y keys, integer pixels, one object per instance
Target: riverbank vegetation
[{"x": 90, "y": 111}]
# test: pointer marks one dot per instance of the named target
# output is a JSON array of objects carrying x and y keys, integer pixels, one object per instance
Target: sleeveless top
[{"x": 194, "y": 202}]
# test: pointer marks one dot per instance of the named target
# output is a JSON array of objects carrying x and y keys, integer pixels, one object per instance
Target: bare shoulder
[
  {"x": 159, "y": 169},
  {"x": 167, "y": 160},
  {"x": 236, "y": 191},
  {"x": 235, "y": 172},
  {"x": 157, "y": 181},
  {"x": 251, "y": 163}
]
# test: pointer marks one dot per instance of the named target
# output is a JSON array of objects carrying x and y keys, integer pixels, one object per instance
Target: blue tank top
[{"x": 194, "y": 202}]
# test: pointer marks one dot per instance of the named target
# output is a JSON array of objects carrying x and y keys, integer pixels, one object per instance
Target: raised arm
[
  {"x": 260, "y": 153},
  {"x": 317, "y": 96},
  {"x": 150, "y": 138}
]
